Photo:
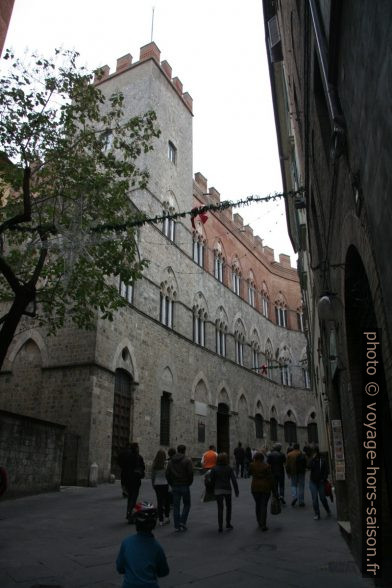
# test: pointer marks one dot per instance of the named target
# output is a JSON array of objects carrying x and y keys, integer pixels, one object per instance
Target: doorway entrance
[
  {"x": 122, "y": 408},
  {"x": 223, "y": 429}
]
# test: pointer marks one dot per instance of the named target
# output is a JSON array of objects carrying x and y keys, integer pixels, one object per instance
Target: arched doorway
[
  {"x": 223, "y": 428},
  {"x": 122, "y": 408},
  {"x": 360, "y": 318}
]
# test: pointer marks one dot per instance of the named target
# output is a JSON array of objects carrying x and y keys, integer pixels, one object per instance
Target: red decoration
[
  {"x": 264, "y": 370},
  {"x": 202, "y": 216}
]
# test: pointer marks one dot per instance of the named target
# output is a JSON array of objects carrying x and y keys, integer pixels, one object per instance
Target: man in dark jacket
[
  {"x": 239, "y": 456},
  {"x": 132, "y": 472},
  {"x": 318, "y": 474},
  {"x": 179, "y": 474},
  {"x": 276, "y": 460}
]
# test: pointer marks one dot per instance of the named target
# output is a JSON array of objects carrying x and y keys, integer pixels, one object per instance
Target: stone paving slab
[{"x": 70, "y": 539}]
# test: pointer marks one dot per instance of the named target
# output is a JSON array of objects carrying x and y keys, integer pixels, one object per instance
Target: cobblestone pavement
[{"x": 70, "y": 539}]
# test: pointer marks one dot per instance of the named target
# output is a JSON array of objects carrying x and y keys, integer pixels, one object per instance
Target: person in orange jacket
[{"x": 208, "y": 461}]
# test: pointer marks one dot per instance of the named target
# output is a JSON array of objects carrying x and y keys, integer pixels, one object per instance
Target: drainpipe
[{"x": 338, "y": 138}]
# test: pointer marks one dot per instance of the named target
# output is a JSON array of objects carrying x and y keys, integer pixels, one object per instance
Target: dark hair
[
  {"x": 239, "y": 444},
  {"x": 171, "y": 452},
  {"x": 134, "y": 447},
  {"x": 259, "y": 456},
  {"x": 212, "y": 447},
  {"x": 181, "y": 449},
  {"x": 222, "y": 459},
  {"x": 159, "y": 460},
  {"x": 296, "y": 446},
  {"x": 316, "y": 450}
]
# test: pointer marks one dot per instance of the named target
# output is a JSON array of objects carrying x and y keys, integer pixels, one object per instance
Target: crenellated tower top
[{"x": 149, "y": 51}]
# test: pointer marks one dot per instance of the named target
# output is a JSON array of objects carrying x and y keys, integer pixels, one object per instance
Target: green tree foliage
[{"x": 68, "y": 165}]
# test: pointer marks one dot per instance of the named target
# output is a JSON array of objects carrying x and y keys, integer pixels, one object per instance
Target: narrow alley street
[{"x": 71, "y": 539}]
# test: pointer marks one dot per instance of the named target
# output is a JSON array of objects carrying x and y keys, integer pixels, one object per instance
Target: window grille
[
  {"x": 259, "y": 426},
  {"x": 313, "y": 433},
  {"x": 273, "y": 429},
  {"x": 201, "y": 432},
  {"x": 290, "y": 432},
  {"x": 165, "y": 419}
]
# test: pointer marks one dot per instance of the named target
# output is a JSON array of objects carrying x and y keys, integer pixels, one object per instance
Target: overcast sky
[{"x": 217, "y": 49}]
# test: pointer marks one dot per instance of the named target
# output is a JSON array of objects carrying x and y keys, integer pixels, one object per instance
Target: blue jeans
[
  {"x": 279, "y": 485},
  {"x": 317, "y": 489},
  {"x": 178, "y": 493},
  {"x": 297, "y": 482}
]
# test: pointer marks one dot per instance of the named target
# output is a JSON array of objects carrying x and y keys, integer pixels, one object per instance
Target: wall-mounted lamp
[{"x": 328, "y": 307}]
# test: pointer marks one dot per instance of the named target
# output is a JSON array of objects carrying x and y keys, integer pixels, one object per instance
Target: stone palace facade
[{"x": 211, "y": 347}]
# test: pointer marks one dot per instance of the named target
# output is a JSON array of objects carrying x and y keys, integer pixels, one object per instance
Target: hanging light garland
[{"x": 197, "y": 211}]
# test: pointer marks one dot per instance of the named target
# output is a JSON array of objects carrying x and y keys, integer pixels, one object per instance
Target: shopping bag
[
  {"x": 275, "y": 506},
  {"x": 328, "y": 490}
]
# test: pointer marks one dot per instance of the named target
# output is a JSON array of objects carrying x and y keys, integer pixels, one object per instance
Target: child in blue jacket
[{"x": 141, "y": 558}]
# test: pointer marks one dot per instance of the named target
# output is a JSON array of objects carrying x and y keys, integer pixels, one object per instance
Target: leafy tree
[{"x": 68, "y": 164}]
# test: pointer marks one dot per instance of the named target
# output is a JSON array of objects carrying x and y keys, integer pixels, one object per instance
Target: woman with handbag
[
  {"x": 222, "y": 478},
  {"x": 318, "y": 475},
  {"x": 161, "y": 487},
  {"x": 263, "y": 483}
]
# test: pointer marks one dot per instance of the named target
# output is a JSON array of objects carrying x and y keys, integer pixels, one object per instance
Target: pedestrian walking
[
  {"x": 248, "y": 461},
  {"x": 161, "y": 487},
  {"x": 170, "y": 453},
  {"x": 208, "y": 460},
  {"x": 222, "y": 479},
  {"x": 318, "y": 475},
  {"x": 141, "y": 558},
  {"x": 296, "y": 468},
  {"x": 133, "y": 472},
  {"x": 179, "y": 474},
  {"x": 277, "y": 460},
  {"x": 263, "y": 483},
  {"x": 239, "y": 456}
]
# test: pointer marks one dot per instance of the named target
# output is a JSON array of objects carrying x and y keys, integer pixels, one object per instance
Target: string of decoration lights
[
  {"x": 142, "y": 219},
  {"x": 198, "y": 210}
]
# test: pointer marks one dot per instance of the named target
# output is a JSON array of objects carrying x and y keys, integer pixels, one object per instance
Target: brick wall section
[
  {"x": 6, "y": 7},
  {"x": 31, "y": 450},
  {"x": 238, "y": 242}
]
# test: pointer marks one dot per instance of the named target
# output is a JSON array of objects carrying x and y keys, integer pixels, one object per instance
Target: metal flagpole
[{"x": 152, "y": 22}]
